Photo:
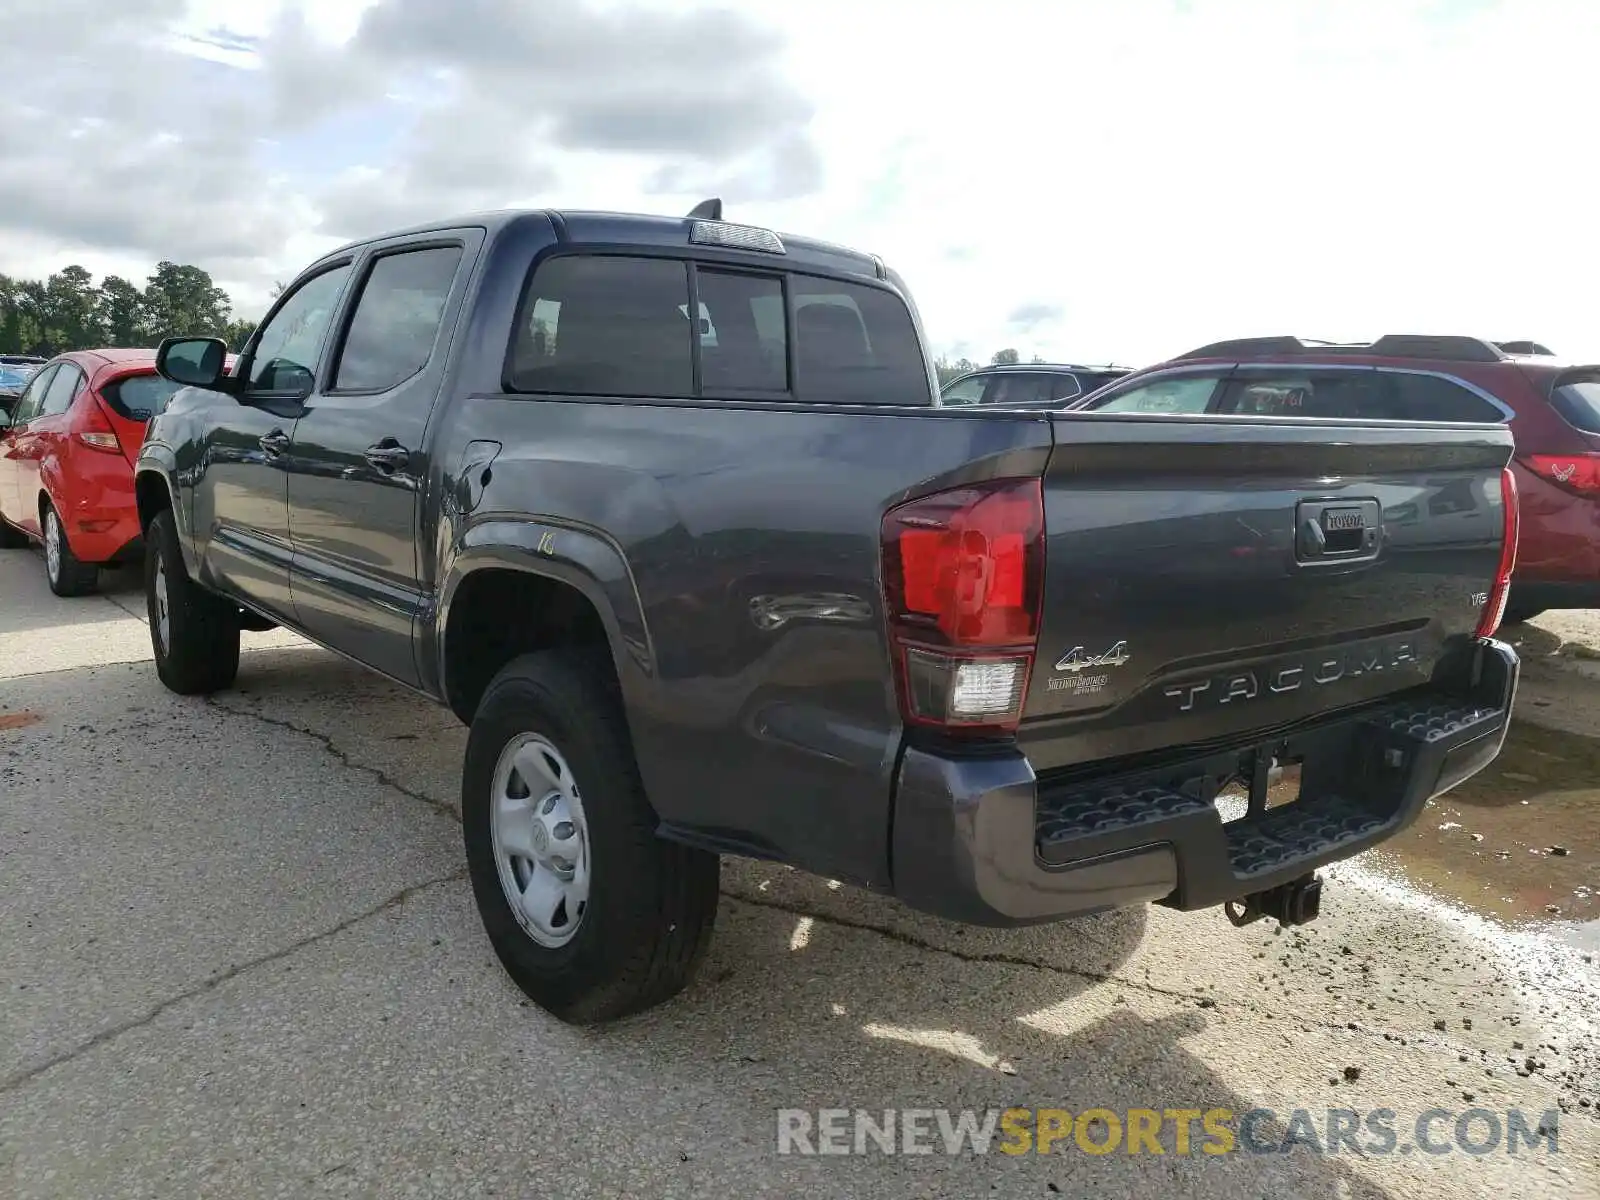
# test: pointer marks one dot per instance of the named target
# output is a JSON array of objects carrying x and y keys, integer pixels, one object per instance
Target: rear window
[
  {"x": 1579, "y": 404},
  {"x": 139, "y": 397},
  {"x": 855, "y": 345},
  {"x": 617, "y": 325},
  {"x": 1093, "y": 381}
]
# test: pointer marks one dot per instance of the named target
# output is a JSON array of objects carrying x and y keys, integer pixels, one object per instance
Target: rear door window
[
  {"x": 1578, "y": 402},
  {"x": 855, "y": 344},
  {"x": 139, "y": 397},
  {"x": 594, "y": 325},
  {"x": 1368, "y": 394},
  {"x": 1017, "y": 387},
  {"x": 1182, "y": 395},
  {"x": 64, "y": 388}
]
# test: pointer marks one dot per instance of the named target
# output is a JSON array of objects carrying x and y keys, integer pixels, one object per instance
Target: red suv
[
  {"x": 1553, "y": 408},
  {"x": 66, "y": 461}
]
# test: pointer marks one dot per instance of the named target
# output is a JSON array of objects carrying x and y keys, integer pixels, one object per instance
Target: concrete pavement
[{"x": 238, "y": 957}]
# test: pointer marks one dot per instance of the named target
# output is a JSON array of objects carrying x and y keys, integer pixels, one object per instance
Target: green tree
[
  {"x": 237, "y": 333},
  {"x": 68, "y": 311},
  {"x": 182, "y": 300},
  {"x": 1006, "y": 358},
  {"x": 121, "y": 308}
]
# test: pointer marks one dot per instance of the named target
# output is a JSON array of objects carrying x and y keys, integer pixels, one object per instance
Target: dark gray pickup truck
[{"x": 667, "y": 510}]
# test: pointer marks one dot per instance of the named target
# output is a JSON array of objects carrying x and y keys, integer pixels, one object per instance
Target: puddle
[{"x": 1494, "y": 844}]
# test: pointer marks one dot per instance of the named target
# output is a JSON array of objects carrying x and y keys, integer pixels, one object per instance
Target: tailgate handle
[{"x": 1343, "y": 531}]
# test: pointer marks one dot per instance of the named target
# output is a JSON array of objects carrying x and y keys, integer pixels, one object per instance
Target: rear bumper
[{"x": 983, "y": 840}]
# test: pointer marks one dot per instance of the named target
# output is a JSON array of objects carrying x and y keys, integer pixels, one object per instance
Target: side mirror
[{"x": 195, "y": 362}]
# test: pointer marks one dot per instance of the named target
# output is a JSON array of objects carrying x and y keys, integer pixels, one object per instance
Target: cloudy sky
[{"x": 1081, "y": 179}]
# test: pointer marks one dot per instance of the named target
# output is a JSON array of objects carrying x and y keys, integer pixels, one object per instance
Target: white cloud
[{"x": 1074, "y": 178}]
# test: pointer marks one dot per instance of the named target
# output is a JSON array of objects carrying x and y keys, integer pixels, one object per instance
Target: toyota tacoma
[{"x": 668, "y": 512}]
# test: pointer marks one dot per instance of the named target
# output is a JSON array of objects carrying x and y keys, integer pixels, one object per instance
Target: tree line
[
  {"x": 69, "y": 311},
  {"x": 948, "y": 369}
]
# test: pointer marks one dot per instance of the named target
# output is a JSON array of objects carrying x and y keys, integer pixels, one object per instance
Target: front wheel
[
  {"x": 592, "y": 915},
  {"x": 68, "y": 575},
  {"x": 194, "y": 633}
]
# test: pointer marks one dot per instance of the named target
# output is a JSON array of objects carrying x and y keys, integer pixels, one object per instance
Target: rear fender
[{"x": 577, "y": 555}]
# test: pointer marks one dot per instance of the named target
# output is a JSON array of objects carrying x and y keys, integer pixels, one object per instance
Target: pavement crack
[
  {"x": 27, "y": 1075},
  {"x": 118, "y": 604},
  {"x": 341, "y": 756}
]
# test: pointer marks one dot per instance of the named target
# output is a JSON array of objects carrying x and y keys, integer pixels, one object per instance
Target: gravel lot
[{"x": 239, "y": 958}]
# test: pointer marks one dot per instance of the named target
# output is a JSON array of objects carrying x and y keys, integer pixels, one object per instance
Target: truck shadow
[
  {"x": 814, "y": 1014},
  {"x": 816, "y": 995}
]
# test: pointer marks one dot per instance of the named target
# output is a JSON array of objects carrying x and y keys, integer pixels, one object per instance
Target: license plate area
[{"x": 1249, "y": 795}]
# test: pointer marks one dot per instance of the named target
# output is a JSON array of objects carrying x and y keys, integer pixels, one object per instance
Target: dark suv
[
  {"x": 1036, "y": 385},
  {"x": 1553, "y": 407}
]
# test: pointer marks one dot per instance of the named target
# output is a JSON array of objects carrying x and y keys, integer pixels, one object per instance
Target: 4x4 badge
[{"x": 1076, "y": 660}]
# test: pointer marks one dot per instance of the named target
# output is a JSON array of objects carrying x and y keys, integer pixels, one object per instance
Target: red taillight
[
  {"x": 1577, "y": 473},
  {"x": 95, "y": 432},
  {"x": 1495, "y": 609},
  {"x": 963, "y": 571}
]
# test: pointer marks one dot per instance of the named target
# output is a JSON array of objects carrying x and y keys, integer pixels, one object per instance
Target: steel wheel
[
  {"x": 52, "y": 545},
  {"x": 163, "y": 606},
  {"x": 540, "y": 839}
]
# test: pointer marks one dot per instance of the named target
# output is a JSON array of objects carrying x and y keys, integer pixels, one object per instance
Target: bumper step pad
[{"x": 1363, "y": 777}]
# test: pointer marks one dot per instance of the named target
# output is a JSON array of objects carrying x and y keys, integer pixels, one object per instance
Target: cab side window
[
  {"x": 33, "y": 396},
  {"x": 287, "y": 347}
]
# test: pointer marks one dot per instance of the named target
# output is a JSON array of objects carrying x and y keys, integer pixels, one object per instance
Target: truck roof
[{"x": 640, "y": 229}]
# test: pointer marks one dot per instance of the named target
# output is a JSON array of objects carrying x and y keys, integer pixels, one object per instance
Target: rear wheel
[
  {"x": 194, "y": 633},
  {"x": 68, "y": 575},
  {"x": 592, "y": 914}
]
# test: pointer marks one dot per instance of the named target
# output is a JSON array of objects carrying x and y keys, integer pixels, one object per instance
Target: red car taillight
[
  {"x": 1576, "y": 473},
  {"x": 963, "y": 573},
  {"x": 1495, "y": 609},
  {"x": 95, "y": 431}
]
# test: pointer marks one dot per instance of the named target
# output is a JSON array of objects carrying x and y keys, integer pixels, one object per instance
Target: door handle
[
  {"x": 388, "y": 455},
  {"x": 275, "y": 442}
]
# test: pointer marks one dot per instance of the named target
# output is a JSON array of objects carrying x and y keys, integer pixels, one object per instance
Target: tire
[
  {"x": 11, "y": 539},
  {"x": 640, "y": 934},
  {"x": 193, "y": 632},
  {"x": 67, "y": 574}
]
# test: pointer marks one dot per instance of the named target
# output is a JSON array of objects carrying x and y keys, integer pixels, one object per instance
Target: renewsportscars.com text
[{"x": 1176, "y": 1131}]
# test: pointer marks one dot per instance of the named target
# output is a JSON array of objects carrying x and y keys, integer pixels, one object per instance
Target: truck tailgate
[{"x": 1213, "y": 577}]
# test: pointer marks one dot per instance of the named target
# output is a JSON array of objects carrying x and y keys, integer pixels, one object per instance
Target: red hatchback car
[
  {"x": 1553, "y": 407},
  {"x": 66, "y": 461}
]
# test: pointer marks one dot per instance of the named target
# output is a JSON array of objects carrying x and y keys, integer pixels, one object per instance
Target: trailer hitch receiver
[{"x": 1297, "y": 902}]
